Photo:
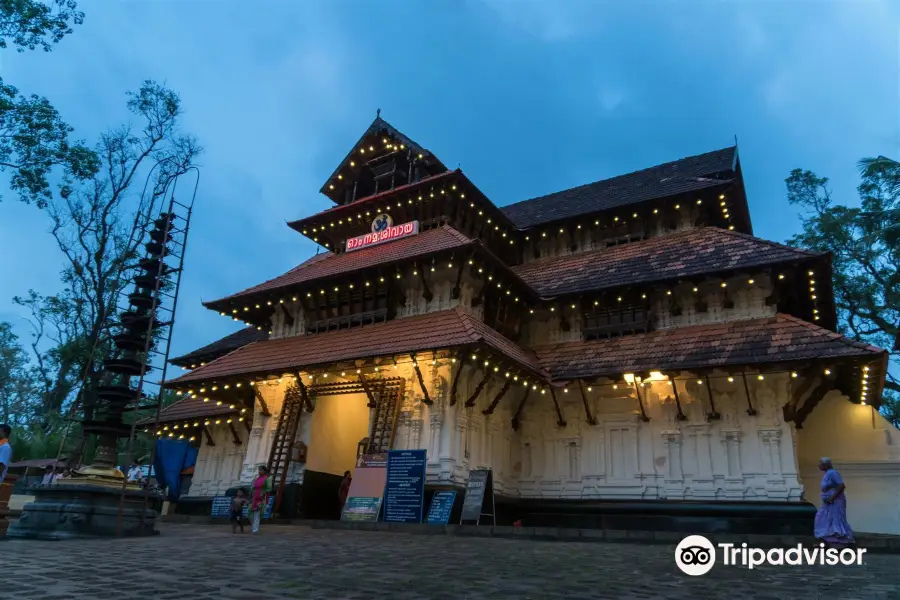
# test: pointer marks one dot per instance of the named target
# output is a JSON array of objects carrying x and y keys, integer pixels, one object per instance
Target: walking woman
[
  {"x": 831, "y": 524},
  {"x": 262, "y": 487}
]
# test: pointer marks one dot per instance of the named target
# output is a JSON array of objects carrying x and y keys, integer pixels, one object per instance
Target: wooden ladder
[
  {"x": 281, "y": 455},
  {"x": 384, "y": 425}
]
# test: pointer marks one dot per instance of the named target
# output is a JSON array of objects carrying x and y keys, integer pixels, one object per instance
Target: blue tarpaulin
[{"x": 173, "y": 456}]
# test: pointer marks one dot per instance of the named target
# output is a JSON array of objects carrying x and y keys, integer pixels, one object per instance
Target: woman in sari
[
  {"x": 831, "y": 524},
  {"x": 262, "y": 487}
]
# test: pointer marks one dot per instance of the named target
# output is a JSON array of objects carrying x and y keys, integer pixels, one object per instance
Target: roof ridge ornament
[{"x": 377, "y": 113}]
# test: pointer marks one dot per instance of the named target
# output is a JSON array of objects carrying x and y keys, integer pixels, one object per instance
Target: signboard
[
  {"x": 366, "y": 489},
  {"x": 441, "y": 507},
  {"x": 479, "y": 497},
  {"x": 221, "y": 507},
  {"x": 385, "y": 233},
  {"x": 404, "y": 494}
]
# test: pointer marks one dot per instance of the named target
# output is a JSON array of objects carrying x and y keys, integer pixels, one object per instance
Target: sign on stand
[
  {"x": 479, "y": 500},
  {"x": 404, "y": 494},
  {"x": 366, "y": 489},
  {"x": 441, "y": 507}
]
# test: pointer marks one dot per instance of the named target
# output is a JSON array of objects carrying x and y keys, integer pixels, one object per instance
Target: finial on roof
[{"x": 378, "y": 113}]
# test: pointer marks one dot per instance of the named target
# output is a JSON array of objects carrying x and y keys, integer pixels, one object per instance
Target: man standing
[
  {"x": 5, "y": 450},
  {"x": 344, "y": 490}
]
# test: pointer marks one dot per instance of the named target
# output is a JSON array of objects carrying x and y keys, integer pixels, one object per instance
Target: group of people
[{"x": 53, "y": 474}]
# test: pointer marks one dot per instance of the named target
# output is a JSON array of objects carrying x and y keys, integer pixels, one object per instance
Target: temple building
[{"x": 621, "y": 354}]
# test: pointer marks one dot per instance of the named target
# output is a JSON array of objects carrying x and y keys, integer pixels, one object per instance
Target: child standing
[{"x": 237, "y": 511}]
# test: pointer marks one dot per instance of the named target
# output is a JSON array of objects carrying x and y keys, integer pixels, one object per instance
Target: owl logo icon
[{"x": 382, "y": 223}]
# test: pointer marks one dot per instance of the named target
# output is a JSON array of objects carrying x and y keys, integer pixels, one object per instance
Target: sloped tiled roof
[
  {"x": 328, "y": 264},
  {"x": 781, "y": 338},
  {"x": 681, "y": 254},
  {"x": 686, "y": 175},
  {"x": 431, "y": 331},
  {"x": 193, "y": 407},
  {"x": 221, "y": 346}
]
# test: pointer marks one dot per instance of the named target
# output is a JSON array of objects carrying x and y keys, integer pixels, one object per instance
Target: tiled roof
[
  {"x": 328, "y": 264},
  {"x": 686, "y": 175},
  {"x": 222, "y": 346},
  {"x": 781, "y": 338},
  {"x": 682, "y": 254},
  {"x": 192, "y": 407},
  {"x": 422, "y": 333}
]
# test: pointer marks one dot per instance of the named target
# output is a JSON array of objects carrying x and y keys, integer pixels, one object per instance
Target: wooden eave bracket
[
  {"x": 426, "y": 292},
  {"x": 262, "y": 402},
  {"x": 790, "y": 409},
  {"x": 474, "y": 397},
  {"x": 459, "y": 371},
  {"x": 209, "y": 440},
  {"x": 814, "y": 398},
  {"x": 234, "y": 435},
  {"x": 560, "y": 420},
  {"x": 680, "y": 415},
  {"x": 490, "y": 409},
  {"x": 515, "y": 420},
  {"x": 587, "y": 407},
  {"x": 425, "y": 397},
  {"x": 713, "y": 414}
]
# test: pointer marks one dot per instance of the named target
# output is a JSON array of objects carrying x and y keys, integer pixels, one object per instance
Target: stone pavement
[{"x": 208, "y": 562}]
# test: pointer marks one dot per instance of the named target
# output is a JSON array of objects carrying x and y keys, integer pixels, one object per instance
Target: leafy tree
[
  {"x": 30, "y": 24},
  {"x": 15, "y": 378},
  {"x": 864, "y": 242},
  {"x": 34, "y": 139}
]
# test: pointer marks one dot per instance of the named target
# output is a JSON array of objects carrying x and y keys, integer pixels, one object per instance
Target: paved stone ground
[{"x": 208, "y": 562}]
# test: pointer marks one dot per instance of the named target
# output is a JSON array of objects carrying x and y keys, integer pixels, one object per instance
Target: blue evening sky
[{"x": 528, "y": 97}]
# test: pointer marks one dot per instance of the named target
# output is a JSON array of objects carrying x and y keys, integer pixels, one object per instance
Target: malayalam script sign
[
  {"x": 404, "y": 494},
  {"x": 366, "y": 489},
  {"x": 441, "y": 507},
  {"x": 390, "y": 233}
]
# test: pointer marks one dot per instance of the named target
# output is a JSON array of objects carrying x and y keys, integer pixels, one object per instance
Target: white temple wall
[
  {"x": 218, "y": 467},
  {"x": 865, "y": 449}
]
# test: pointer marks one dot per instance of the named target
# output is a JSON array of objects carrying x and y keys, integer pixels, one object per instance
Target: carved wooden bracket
[
  {"x": 712, "y": 415},
  {"x": 637, "y": 392},
  {"x": 790, "y": 409},
  {"x": 814, "y": 398},
  {"x": 560, "y": 420},
  {"x": 680, "y": 416},
  {"x": 515, "y": 419},
  {"x": 426, "y": 291},
  {"x": 587, "y": 407},
  {"x": 288, "y": 319},
  {"x": 474, "y": 397},
  {"x": 490, "y": 409},
  {"x": 234, "y": 435},
  {"x": 209, "y": 440},
  {"x": 262, "y": 402},
  {"x": 425, "y": 398},
  {"x": 456, "y": 381},
  {"x": 750, "y": 410}
]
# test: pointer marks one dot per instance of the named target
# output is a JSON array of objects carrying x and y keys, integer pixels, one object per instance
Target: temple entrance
[{"x": 339, "y": 421}]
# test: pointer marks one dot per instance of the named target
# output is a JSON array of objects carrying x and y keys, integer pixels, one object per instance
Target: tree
[
  {"x": 15, "y": 378},
  {"x": 864, "y": 242},
  {"x": 31, "y": 24},
  {"x": 34, "y": 139},
  {"x": 99, "y": 226}
]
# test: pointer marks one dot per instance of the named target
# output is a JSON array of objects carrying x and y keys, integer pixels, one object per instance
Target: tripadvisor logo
[{"x": 695, "y": 555}]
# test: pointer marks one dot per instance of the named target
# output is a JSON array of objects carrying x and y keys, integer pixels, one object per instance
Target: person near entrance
[
  {"x": 262, "y": 487},
  {"x": 344, "y": 491}
]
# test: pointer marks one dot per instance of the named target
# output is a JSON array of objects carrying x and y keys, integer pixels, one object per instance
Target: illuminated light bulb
[
  {"x": 543, "y": 234},
  {"x": 487, "y": 362},
  {"x": 359, "y": 370},
  {"x": 597, "y": 222},
  {"x": 794, "y": 374},
  {"x": 415, "y": 272},
  {"x": 615, "y": 386},
  {"x": 813, "y": 296},
  {"x": 699, "y": 382},
  {"x": 579, "y": 226},
  {"x": 619, "y": 299},
  {"x": 731, "y": 380},
  {"x": 731, "y": 228},
  {"x": 324, "y": 374},
  {"x": 644, "y": 296},
  {"x": 507, "y": 373},
  {"x": 343, "y": 373},
  {"x": 219, "y": 403},
  {"x": 496, "y": 369},
  {"x": 590, "y": 389},
  {"x": 750, "y": 281},
  {"x": 573, "y": 306},
  {"x": 615, "y": 218},
  {"x": 696, "y": 290},
  {"x": 453, "y": 360},
  {"x": 560, "y": 229},
  {"x": 398, "y": 275},
  {"x": 677, "y": 206},
  {"x": 760, "y": 377},
  {"x": 596, "y": 302},
  {"x": 552, "y": 308},
  {"x": 565, "y": 390},
  {"x": 655, "y": 211},
  {"x": 543, "y": 391},
  {"x": 634, "y": 215},
  {"x": 214, "y": 388},
  {"x": 668, "y": 292},
  {"x": 530, "y": 311},
  {"x": 865, "y": 368},
  {"x": 206, "y": 399},
  {"x": 828, "y": 371},
  {"x": 202, "y": 390}
]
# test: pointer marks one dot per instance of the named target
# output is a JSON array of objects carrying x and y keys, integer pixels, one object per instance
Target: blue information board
[
  {"x": 441, "y": 507},
  {"x": 404, "y": 491},
  {"x": 221, "y": 507}
]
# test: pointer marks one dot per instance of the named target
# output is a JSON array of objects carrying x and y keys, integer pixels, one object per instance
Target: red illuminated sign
[{"x": 385, "y": 235}]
